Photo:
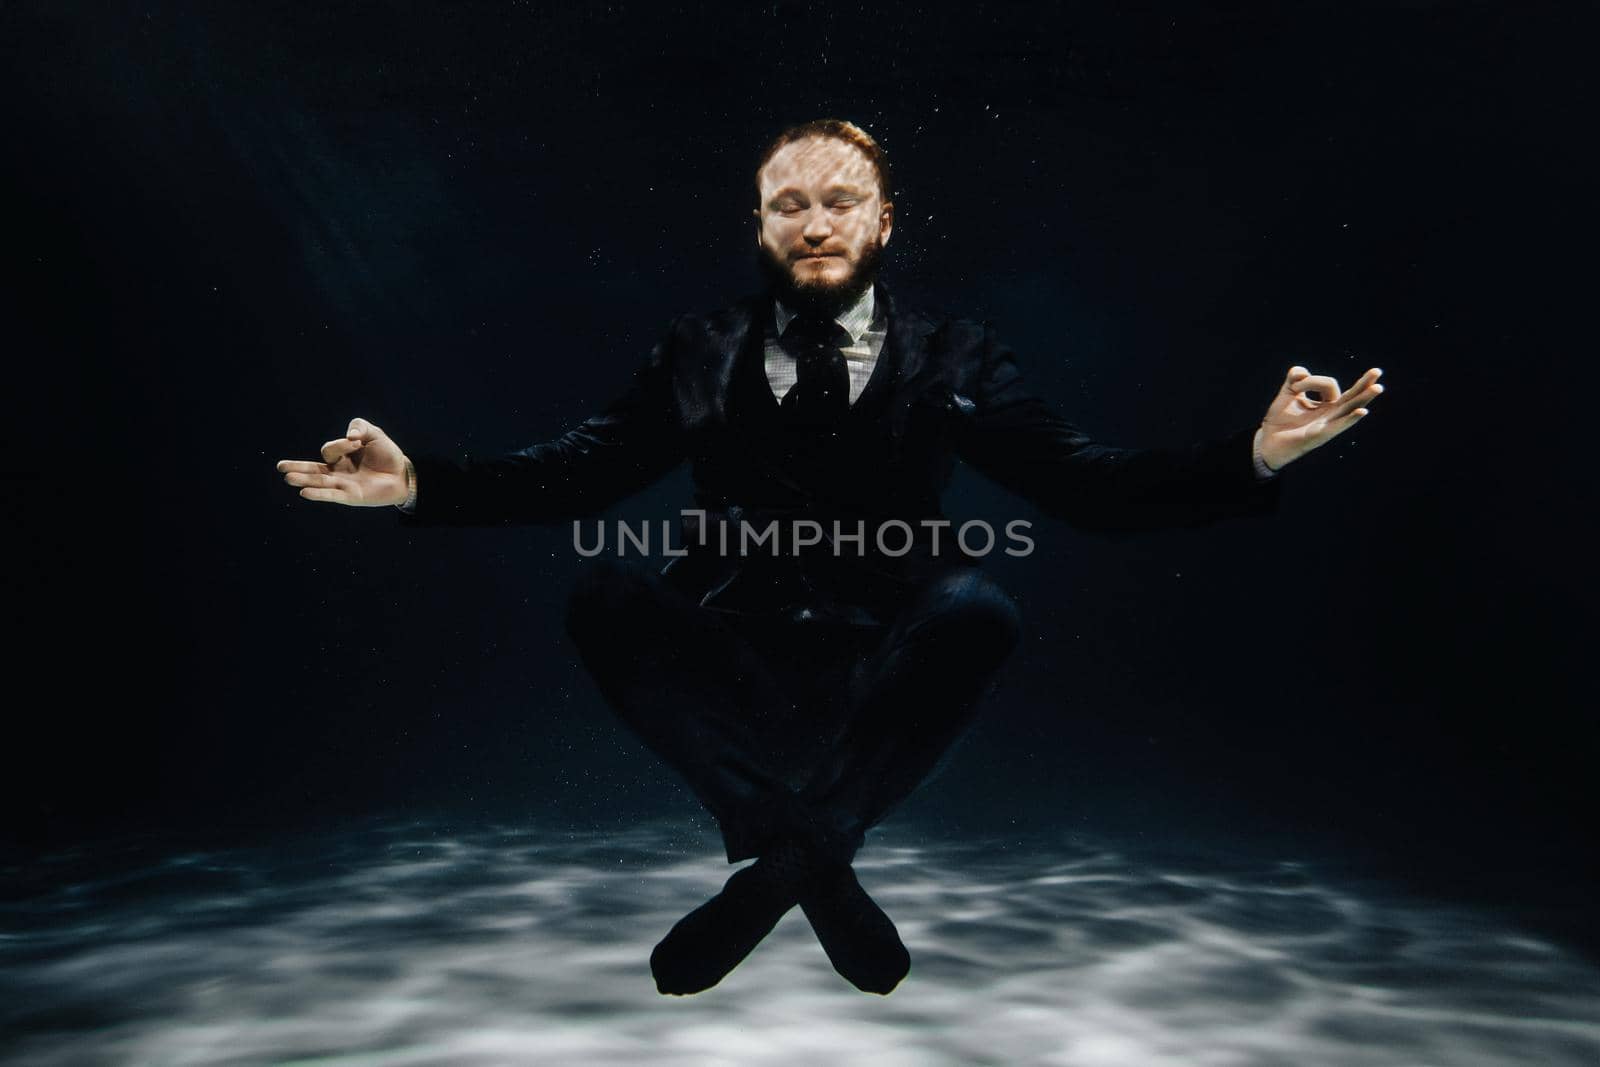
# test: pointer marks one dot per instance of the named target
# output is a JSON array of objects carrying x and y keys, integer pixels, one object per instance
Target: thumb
[
  {"x": 1296, "y": 373},
  {"x": 363, "y": 431}
]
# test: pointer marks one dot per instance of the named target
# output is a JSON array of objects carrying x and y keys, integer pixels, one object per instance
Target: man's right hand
[{"x": 363, "y": 469}]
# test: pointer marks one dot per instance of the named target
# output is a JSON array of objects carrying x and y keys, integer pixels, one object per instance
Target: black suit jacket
[{"x": 942, "y": 389}]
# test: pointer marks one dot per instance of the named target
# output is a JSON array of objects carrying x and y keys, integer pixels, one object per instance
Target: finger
[
  {"x": 1325, "y": 387},
  {"x": 1355, "y": 399},
  {"x": 327, "y": 496},
  {"x": 1338, "y": 426},
  {"x": 1296, "y": 373},
  {"x": 335, "y": 450},
  {"x": 318, "y": 480},
  {"x": 1361, "y": 383},
  {"x": 301, "y": 466}
]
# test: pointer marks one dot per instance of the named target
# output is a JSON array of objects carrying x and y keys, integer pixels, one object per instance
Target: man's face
[{"x": 821, "y": 222}]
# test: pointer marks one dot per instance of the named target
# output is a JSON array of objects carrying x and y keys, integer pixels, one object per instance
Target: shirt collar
[{"x": 855, "y": 319}]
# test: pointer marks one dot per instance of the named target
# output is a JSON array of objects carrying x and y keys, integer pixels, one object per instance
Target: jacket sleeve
[
  {"x": 1019, "y": 441},
  {"x": 633, "y": 442}
]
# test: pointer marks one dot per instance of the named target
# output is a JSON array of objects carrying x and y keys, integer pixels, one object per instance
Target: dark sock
[
  {"x": 700, "y": 950},
  {"x": 860, "y": 940}
]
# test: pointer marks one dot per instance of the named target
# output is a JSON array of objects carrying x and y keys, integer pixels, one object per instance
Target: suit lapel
[{"x": 905, "y": 352}]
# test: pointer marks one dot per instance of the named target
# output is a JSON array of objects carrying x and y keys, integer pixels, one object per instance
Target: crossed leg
[{"x": 797, "y": 739}]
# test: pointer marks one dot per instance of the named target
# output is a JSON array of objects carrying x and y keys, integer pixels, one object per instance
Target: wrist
[
  {"x": 410, "y": 501},
  {"x": 1266, "y": 463}
]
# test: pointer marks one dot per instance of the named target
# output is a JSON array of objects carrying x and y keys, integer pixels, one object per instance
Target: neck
[{"x": 856, "y": 318}]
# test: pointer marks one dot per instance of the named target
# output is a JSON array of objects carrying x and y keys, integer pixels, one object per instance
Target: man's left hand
[{"x": 1309, "y": 411}]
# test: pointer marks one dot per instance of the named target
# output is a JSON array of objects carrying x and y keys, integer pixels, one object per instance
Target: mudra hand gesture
[
  {"x": 1309, "y": 411},
  {"x": 364, "y": 468}
]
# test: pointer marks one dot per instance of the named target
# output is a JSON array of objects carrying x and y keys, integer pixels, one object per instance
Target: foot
[
  {"x": 712, "y": 940},
  {"x": 860, "y": 940}
]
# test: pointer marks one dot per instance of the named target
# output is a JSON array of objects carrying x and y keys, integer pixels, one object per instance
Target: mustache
[{"x": 810, "y": 296}]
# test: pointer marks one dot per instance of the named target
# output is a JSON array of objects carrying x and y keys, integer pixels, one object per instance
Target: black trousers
[{"x": 785, "y": 728}]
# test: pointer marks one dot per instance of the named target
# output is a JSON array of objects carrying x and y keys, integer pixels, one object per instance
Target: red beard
[{"x": 817, "y": 297}]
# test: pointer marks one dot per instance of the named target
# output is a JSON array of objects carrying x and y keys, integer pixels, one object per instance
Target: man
[{"x": 805, "y": 687}]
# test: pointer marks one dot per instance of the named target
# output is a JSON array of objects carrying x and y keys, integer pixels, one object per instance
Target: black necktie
[{"x": 821, "y": 392}]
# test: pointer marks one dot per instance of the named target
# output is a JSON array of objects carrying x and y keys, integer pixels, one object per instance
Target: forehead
[{"x": 817, "y": 163}]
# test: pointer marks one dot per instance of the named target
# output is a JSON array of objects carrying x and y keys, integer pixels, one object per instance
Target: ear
[
  {"x": 885, "y": 222},
  {"x": 756, "y": 212}
]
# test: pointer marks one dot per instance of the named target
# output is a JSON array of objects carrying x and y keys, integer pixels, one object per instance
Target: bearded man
[{"x": 805, "y": 688}]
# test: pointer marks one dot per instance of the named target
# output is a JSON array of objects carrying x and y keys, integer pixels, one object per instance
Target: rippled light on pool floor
[{"x": 402, "y": 945}]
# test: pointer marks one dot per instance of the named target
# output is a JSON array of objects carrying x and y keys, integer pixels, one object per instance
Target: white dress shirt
[{"x": 866, "y": 342}]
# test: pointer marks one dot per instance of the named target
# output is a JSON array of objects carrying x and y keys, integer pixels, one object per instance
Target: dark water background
[{"x": 233, "y": 227}]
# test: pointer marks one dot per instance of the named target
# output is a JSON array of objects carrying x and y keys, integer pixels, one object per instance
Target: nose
[{"x": 819, "y": 226}]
